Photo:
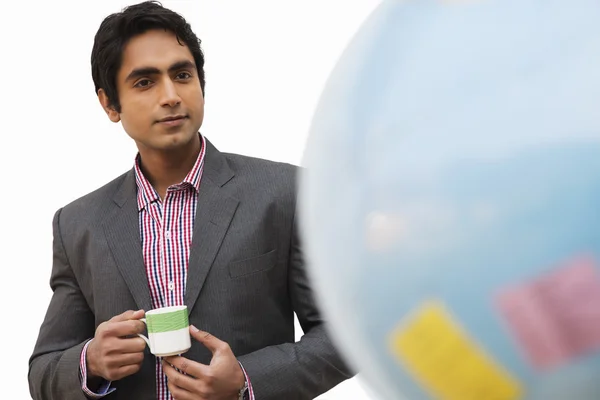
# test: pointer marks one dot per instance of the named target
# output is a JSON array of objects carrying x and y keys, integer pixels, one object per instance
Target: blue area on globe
[{"x": 455, "y": 153}]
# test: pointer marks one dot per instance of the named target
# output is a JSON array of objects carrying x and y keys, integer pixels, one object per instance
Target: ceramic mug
[{"x": 168, "y": 331}]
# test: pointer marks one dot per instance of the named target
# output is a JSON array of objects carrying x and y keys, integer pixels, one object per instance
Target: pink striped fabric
[
  {"x": 166, "y": 234},
  {"x": 166, "y": 231}
]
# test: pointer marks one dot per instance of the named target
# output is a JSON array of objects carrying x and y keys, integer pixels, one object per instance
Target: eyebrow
[{"x": 145, "y": 71}]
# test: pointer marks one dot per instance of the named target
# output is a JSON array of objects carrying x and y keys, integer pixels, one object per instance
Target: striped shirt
[{"x": 166, "y": 235}]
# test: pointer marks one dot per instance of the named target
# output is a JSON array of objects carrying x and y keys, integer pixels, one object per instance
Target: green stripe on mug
[{"x": 167, "y": 322}]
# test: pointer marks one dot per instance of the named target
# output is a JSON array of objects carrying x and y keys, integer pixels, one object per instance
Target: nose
[{"x": 169, "y": 95}]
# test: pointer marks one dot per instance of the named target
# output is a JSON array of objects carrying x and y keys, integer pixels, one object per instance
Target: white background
[{"x": 266, "y": 64}]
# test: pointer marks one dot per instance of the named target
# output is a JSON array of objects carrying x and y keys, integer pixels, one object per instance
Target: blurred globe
[{"x": 451, "y": 201}]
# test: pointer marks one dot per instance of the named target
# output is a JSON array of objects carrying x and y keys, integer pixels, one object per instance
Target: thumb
[
  {"x": 127, "y": 315},
  {"x": 209, "y": 341}
]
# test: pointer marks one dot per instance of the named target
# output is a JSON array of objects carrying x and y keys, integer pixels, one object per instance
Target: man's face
[{"x": 162, "y": 104}]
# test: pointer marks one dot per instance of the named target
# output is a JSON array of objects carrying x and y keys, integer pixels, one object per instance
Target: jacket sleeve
[
  {"x": 54, "y": 372},
  {"x": 307, "y": 368}
]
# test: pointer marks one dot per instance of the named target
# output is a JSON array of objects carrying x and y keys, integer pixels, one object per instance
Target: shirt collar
[{"x": 146, "y": 194}]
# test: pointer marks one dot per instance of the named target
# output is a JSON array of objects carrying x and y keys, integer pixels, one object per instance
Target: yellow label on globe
[{"x": 450, "y": 365}]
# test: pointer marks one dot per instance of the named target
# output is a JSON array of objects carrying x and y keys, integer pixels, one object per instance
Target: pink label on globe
[{"x": 557, "y": 316}]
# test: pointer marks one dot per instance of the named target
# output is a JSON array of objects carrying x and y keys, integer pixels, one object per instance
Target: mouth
[{"x": 173, "y": 118}]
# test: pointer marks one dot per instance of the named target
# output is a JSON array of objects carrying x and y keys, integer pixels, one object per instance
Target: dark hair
[{"x": 117, "y": 29}]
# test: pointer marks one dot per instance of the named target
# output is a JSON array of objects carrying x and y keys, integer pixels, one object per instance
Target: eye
[
  {"x": 184, "y": 75},
  {"x": 143, "y": 83}
]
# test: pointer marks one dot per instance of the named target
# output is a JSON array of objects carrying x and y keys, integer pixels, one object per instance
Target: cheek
[
  {"x": 135, "y": 119},
  {"x": 198, "y": 107},
  {"x": 130, "y": 125},
  {"x": 193, "y": 100}
]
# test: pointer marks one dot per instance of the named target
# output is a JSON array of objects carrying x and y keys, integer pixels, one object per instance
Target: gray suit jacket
[{"x": 246, "y": 278}]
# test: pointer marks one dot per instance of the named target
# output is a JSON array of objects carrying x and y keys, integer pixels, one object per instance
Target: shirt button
[
  {"x": 171, "y": 286},
  {"x": 168, "y": 235}
]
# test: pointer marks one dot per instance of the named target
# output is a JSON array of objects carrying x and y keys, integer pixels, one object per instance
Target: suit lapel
[
  {"x": 214, "y": 213},
  {"x": 122, "y": 233}
]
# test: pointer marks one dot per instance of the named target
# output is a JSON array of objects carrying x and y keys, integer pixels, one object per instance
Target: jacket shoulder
[{"x": 94, "y": 204}]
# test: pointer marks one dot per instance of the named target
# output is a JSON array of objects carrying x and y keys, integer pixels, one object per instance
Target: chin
[{"x": 175, "y": 140}]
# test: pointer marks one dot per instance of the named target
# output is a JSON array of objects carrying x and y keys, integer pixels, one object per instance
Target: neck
[{"x": 166, "y": 168}]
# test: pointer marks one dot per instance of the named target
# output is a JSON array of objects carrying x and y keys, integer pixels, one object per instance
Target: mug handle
[{"x": 144, "y": 337}]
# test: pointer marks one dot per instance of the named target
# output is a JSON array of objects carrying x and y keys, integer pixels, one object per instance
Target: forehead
[{"x": 155, "y": 48}]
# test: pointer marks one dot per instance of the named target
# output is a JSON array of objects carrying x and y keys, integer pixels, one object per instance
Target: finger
[
  {"x": 182, "y": 394},
  {"x": 132, "y": 345},
  {"x": 127, "y": 315},
  {"x": 179, "y": 380},
  {"x": 188, "y": 367},
  {"x": 124, "y": 360},
  {"x": 125, "y": 328},
  {"x": 126, "y": 370},
  {"x": 209, "y": 341}
]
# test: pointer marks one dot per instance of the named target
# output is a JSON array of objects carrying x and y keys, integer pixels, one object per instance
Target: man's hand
[
  {"x": 221, "y": 380},
  {"x": 113, "y": 354}
]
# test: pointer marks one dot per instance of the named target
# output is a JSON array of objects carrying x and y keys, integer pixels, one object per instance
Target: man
[{"x": 186, "y": 225}]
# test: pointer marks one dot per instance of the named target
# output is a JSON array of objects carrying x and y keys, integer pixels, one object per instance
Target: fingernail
[{"x": 194, "y": 329}]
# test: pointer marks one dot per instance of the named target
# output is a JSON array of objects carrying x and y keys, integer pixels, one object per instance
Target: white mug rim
[{"x": 165, "y": 310}]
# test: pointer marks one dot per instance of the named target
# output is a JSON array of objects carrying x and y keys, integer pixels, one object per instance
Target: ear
[{"x": 113, "y": 115}]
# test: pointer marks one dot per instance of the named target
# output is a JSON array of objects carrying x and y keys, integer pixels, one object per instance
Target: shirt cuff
[
  {"x": 104, "y": 388},
  {"x": 249, "y": 393}
]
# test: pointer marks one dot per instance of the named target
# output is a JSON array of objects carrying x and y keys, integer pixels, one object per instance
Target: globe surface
[{"x": 450, "y": 204}]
